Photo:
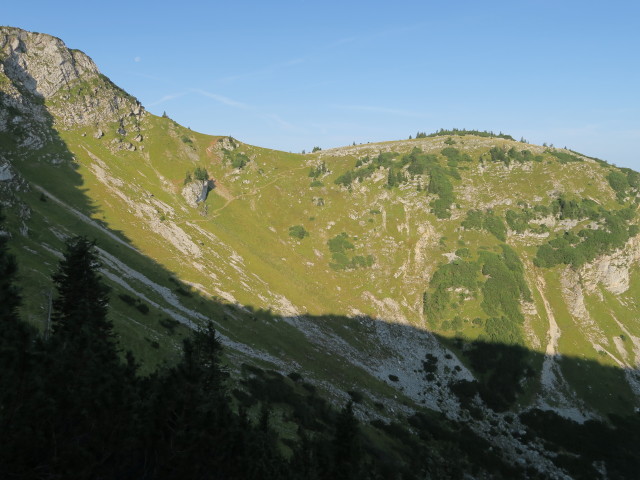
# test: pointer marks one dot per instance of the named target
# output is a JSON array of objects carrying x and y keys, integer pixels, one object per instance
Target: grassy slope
[{"x": 237, "y": 246}]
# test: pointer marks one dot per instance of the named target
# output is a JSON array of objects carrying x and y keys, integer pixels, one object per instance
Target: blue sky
[{"x": 292, "y": 74}]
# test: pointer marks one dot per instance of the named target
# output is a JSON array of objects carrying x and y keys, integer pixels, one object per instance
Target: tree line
[{"x": 73, "y": 405}]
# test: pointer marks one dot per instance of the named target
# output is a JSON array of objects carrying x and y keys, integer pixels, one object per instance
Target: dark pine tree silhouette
[
  {"x": 14, "y": 335},
  {"x": 9, "y": 294},
  {"x": 18, "y": 378},
  {"x": 86, "y": 380},
  {"x": 347, "y": 453},
  {"x": 80, "y": 308}
]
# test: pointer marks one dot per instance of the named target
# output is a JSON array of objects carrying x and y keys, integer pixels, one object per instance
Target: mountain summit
[{"x": 460, "y": 272}]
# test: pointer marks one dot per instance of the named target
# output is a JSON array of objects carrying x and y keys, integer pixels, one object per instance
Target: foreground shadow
[{"x": 294, "y": 364}]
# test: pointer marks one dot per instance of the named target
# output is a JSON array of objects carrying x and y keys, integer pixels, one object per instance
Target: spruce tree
[
  {"x": 80, "y": 309},
  {"x": 304, "y": 461},
  {"x": 19, "y": 375},
  {"x": 188, "y": 420},
  {"x": 347, "y": 453},
  {"x": 9, "y": 294},
  {"x": 86, "y": 381},
  {"x": 14, "y": 335}
]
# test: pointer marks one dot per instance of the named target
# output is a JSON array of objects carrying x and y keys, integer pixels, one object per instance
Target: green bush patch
[{"x": 298, "y": 231}]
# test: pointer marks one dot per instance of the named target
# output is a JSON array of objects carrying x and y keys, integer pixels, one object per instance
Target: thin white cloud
[
  {"x": 277, "y": 122},
  {"x": 137, "y": 59},
  {"x": 150, "y": 77},
  {"x": 280, "y": 121},
  {"x": 292, "y": 62},
  {"x": 366, "y": 37},
  {"x": 269, "y": 69},
  {"x": 263, "y": 71},
  {"x": 384, "y": 110},
  {"x": 167, "y": 98},
  {"x": 339, "y": 42},
  {"x": 222, "y": 99},
  {"x": 217, "y": 97}
]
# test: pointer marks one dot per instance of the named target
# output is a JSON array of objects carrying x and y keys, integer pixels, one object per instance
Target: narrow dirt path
[{"x": 256, "y": 190}]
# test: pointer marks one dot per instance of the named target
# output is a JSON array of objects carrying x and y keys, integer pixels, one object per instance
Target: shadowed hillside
[
  {"x": 457, "y": 282},
  {"x": 170, "y": 419}
]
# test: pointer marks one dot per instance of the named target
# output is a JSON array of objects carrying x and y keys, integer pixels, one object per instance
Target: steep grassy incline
[
  {"x": 451, "y": 242},
  {"x": 288, "y": 234}
]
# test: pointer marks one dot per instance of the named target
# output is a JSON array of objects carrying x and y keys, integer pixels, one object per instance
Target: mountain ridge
[{"x": 450, "y": 224}]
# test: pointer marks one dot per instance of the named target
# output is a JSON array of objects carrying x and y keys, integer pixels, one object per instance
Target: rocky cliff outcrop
[
  {"x": 612, "y": 270},
  {"x": 191, "y": 193},
  {"x": 42, "y": 64},
  {"x": 38, "y": 71}
]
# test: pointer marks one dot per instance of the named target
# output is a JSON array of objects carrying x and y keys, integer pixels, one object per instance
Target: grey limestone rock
[
  {"x": 41, "y": 67},
  {"x": 226, "y": 143},
  {"x": 5, "y": 173},
  {"x": 42, "y": 63}
]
